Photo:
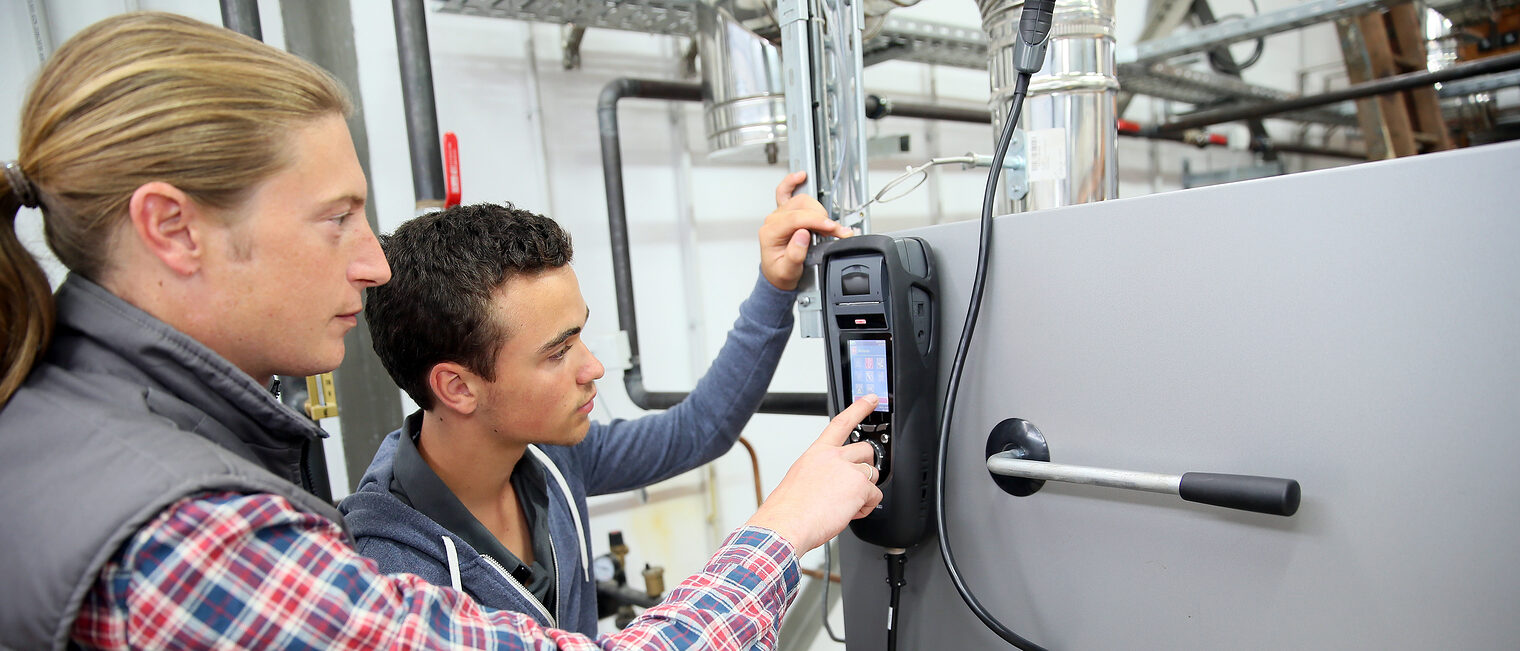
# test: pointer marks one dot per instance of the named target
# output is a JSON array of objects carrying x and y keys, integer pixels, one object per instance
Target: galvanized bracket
[
  {"x": 1015, "y": 167},
  {"x": 797, "y": 54}
]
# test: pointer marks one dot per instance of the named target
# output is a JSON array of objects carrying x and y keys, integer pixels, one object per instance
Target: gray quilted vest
[{"x": 123, "y": 417}]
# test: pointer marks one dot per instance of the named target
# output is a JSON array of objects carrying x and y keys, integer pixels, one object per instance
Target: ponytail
[{"x": 26, "y": 298}]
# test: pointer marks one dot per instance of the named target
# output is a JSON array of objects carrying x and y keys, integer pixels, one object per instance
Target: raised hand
[{"x": 784, "y": 237}]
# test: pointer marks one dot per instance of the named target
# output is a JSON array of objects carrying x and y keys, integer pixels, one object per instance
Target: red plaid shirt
[{"x": 250, "y": 571}]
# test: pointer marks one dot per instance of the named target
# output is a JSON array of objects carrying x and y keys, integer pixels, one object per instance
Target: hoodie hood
[{"x": 402, "y": 539}]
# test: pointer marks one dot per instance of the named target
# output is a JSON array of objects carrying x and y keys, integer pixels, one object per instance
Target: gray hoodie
[{"x": 614, "y": 457}]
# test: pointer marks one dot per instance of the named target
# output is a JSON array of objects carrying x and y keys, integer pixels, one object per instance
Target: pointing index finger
[{"x": 839, "y": 428}]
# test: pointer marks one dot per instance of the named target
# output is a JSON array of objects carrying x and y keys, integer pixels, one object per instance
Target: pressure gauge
[{"x": 603, "y": 568}]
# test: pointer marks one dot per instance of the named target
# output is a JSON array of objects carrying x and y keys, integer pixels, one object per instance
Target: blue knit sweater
[{"x": 614, "y": 457}]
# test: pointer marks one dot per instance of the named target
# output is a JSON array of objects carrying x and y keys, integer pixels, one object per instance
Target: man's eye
[
  {"x": 340, "y": 217},
  {"x": 561, "y": 354}
]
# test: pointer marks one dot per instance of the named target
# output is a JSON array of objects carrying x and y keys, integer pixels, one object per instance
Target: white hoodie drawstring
[
  {"x": 575, "y": 513},
  {"x": 448, "y": 547}
]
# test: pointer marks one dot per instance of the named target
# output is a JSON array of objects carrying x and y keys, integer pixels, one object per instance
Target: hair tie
[{"x": 21, "y": 185}]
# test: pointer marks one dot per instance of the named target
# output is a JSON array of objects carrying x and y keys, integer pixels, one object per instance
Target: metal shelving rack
[
  {"x": 933, "y": 43},
  {"x": 1245, "y": 29},
  {"x": 1207, "y": 88},
  {"x": 907, "y": 40},
  {"x": 669, "y": 17},
  {"x": 1143, "y": 67},
  {"x": 926, "y": 42}
]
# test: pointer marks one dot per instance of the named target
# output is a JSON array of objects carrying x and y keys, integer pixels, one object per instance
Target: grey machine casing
[{"x": 1356, "y": 329}]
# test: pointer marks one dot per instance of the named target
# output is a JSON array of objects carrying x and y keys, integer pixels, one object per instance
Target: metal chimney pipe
[
  {"x": 1070, "y": 120},
  {"x": 743, "y": 95}
]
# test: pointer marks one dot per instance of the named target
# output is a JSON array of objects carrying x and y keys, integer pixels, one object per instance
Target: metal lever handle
[
  {"x": 1271, "y": 495},
  {"x": 1016, "y": 448}
]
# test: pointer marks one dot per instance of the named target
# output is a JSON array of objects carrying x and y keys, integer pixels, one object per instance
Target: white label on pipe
[{"x": 1047, "y": 154}]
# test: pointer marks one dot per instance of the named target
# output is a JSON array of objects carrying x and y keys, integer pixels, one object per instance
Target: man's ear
[
  {"x": 169, "y": 225},
  {"x": 454, "y": 387}
]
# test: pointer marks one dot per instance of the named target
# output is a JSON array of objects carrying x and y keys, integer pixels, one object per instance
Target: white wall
[{"x": 528, "y": 135}]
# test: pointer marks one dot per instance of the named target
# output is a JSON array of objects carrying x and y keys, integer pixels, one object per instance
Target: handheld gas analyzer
[{"x": 879, "y": 331}]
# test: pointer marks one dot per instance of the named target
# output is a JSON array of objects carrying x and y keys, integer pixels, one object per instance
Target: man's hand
[
  {"x": 829, "y": 485},
  {"x": 784, "y": 237}
]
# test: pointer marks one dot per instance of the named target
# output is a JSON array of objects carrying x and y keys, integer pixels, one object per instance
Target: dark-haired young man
[{"x": 485, "y": 487}]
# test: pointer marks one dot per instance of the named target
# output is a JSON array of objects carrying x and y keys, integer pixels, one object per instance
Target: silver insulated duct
[
  {"x": 744, "y": 105},
  {"x": 1069, "y": 126},
  {"x": 743, "y": 92}
]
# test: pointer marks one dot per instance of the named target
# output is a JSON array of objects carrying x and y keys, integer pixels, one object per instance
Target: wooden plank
[
  {"x": 1428, "y": 113},
  {"x": 1410, "y": 42},
  {"x": 1410, "y": 62},
  {"x": 1379, "y": 47},
  {"x": 1396, "y": 116},
  {"x": 1368, "y": 114},
  {"x": 1408, "y": 34},
  {"x": 1400, "y": 128},
  {"x": 1385, "y": 44}
]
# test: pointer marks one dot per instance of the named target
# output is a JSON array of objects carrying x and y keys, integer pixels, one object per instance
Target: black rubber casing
[{"x": 883, "y": 288}]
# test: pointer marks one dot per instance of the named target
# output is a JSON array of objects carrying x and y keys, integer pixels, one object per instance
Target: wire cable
[
  {"x": 1021, "y": 89},
  {"x": 1219, "y": 62},
  {"x": 916, "y": 173},
  {"x": 828, "y": 567},
  {"x": 1029, "y": 53},
  {"x": 838, "y": 43},
  {"x": 897, "y": 560}
]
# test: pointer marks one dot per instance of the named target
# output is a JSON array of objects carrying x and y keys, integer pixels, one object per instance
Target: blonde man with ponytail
[{"x": 203, "y": 191}]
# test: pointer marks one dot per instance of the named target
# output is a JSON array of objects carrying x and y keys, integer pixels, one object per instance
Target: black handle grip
[{"x": 1271, "y": 495}]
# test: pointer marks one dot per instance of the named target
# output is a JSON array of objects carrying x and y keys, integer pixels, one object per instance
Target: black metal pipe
[
  {"x": 877, "y": 108},
  {"x": 1311, "y": 150},
  {"x": 1501, "y": 63},
  {"x": 622, "y": 266},
  {"x": 417, "y": 96},
  {"x": 242, "y": 16}
]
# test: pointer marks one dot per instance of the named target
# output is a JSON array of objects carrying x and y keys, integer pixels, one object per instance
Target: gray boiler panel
[{"x": 1356, "y": 329}]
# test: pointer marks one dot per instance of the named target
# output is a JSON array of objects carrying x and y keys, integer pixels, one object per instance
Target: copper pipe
[
  {"x": 818, "y": 574},
  {"x": 754, "y": 464}
]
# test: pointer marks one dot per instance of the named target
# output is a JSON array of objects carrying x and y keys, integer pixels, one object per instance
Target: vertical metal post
[
  {"x": 536, "y": 120},
  {"x": 825, "y": 113},
  {"x": 797, "y": 59},
  {"x": 797, "y": 56},
  {"x": 42, "y": 31},
  {"x": 421, "y": 110},
  {"x": 242, "y": 16},
  {"x": 847, "y": 97},
  {"x": 932, "y": 145}
]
